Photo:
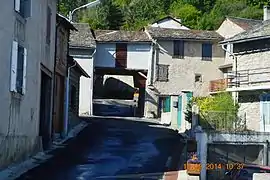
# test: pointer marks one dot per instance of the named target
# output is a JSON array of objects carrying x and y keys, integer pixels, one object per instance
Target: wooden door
[
  {"x": 121, "y": 55},
  {"x": 59, "y": 104}
]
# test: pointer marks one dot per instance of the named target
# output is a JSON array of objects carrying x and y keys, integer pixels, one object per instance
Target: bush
[{"x": 216, "y": 111}]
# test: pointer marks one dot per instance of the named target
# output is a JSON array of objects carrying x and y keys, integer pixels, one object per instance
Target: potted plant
[{"x": 193, "y": 165}]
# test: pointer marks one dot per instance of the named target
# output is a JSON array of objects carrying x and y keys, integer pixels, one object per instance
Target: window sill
[
  {"x": 206, "y": 59},
  {"x": 178, "y": 57},
  {"x": 16, "y": 95}
]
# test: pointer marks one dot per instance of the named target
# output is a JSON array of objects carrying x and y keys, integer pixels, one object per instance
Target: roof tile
[{"x": 170, "y": 34}]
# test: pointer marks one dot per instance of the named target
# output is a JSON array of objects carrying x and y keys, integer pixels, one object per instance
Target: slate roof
[
  {"x": 257, "y": 32},
  {"x": 83, "y": 37},
  {"x": 121, "y": 36},
  {"x": 171, "y": 34},
  {"x": 244, "y": 23}
]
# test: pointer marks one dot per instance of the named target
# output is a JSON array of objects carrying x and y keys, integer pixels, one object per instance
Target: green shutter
[{"x": 167, "y": 104}]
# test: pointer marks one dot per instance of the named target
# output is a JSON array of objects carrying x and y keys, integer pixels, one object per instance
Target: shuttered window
[
  {"x": 178, "y": 49},
  {"x": 48, "y": 35},
  {"x": 23, "y": 7},
  {"x": 18, "y": 69},
  {"x": 207, "y": 51},
  {"x": 162, "y": 72},
  {"x": 121, "y": 55}
]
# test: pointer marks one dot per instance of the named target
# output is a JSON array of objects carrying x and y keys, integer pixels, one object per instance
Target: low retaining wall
[
  {"x": 18, "y": 148},
  {"x": 261, "y": 176}
]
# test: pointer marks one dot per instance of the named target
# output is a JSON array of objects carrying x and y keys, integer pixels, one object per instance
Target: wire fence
[{"x": 223, "y": 121}]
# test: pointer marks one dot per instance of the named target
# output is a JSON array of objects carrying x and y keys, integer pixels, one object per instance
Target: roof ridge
[{"x": 243, "y": 18}]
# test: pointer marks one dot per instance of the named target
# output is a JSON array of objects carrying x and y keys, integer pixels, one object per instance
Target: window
[
  {"x": 23, "y": 7},
  {"x": 73, "y": 97},
  {"x": 178, "y": 49},
  {"x": 207, "y": 51},
  {"x": 198, "y": 78},
  {"x": 121, "y": 55},
  {"x": 162, "y": 72},
  {"x": 18, "y": 68},
  {"x": 48, "y": 35},
  {"x": 166, "y": 104}
]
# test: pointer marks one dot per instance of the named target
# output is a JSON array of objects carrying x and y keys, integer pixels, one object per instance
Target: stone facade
[
  {"x": 19, "y": 124},
  {"x": 181, "y": 73}
]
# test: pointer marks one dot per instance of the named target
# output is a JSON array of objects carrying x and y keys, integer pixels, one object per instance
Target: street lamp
[{"x": 88, "y": 5}]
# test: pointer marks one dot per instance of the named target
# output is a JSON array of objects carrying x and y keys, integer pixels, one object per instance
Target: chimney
[{"x": 266, "y": 13}]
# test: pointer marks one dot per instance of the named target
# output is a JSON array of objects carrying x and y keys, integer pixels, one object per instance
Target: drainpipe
[
  {"x": 67, "y": 100},
  {"x": 54, "y": 71},
  {"x": 92, "y": 82},
  {"x": 235, "y": 65}
]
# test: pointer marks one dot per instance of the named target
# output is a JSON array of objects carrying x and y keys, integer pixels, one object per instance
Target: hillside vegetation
[{"x": 134, "y": 14}]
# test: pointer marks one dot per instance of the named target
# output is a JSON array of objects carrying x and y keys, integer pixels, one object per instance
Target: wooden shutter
[
  {"x": 13, "y": 71},
  {"x": 121, "y": 55},
  {"x": 24, "y": 71},
  {"x": 178, "y": 46},
  {"x": 27, "y": 8},
  {"x": 17, "y": 4},
  {"x": 48, "y": 35}
]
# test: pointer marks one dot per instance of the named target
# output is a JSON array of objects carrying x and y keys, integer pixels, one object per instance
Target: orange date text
[{"x": 213, "y": 166}]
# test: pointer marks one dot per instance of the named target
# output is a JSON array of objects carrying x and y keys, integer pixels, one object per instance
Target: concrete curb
[{"x": 16, "y": 170}]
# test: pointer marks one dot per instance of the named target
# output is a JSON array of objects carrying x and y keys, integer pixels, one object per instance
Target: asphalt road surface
[{"x": 109, "y": 149}]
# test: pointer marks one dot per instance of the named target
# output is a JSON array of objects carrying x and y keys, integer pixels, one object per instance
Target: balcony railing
[
  {"x": 249, "y": 77},
  {"x": 219, "y": 85}
]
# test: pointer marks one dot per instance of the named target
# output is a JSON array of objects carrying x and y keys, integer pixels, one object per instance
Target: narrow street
[{"x": 111, "y": 149}]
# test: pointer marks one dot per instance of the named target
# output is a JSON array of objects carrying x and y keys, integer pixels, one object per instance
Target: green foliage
[
  {"x": 108, "y": 15},
  {"x": 134, "y": 14},
  {"x": 218, "y": 110}
]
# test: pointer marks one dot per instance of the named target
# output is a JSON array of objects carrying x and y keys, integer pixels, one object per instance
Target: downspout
[
  {"x": 67, "y": 100},
  {"x": 54, "y": 70},
  {"x": 235, "y": 65},
  {"x": 92, "y": 82}
]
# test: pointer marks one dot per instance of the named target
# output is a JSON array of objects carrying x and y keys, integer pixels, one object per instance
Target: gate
[{"x": 222, "y": 157}]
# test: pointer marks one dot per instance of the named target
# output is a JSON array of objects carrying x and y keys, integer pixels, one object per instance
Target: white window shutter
[
  {"x": 24, "y": 71},
  {"x": 17, "y": 5},
  {"x": 13, "y": 73}
]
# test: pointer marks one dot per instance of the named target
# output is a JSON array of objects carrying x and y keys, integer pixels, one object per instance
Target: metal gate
[{"x": 222, "y": 156}]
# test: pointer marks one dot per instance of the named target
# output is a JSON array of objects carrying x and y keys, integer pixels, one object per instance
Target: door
[
  {"x": 265, "y": 112},
  {"x": 59, "y": 104},
  {"x": 121, "y": 55},
  {"x": 179, "y": 112},
  {"x": 45, "y": 110}
]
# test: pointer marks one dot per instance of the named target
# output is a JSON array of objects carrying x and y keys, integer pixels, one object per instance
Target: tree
[
  {"x": 108, "y": 15},
  {"x": 188, "y": 14}
]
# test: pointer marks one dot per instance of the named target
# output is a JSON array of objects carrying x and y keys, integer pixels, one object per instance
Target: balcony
[
  {"x": 218, "y": 85},
  {"x": 250, "y": 78}
]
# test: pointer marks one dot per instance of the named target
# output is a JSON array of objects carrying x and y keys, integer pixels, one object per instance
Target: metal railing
[
  {"x": 227, "y": 121},
  {"x": 249, "y": 77}
]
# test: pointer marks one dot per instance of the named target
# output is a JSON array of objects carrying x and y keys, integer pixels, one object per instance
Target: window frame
[
  {"x": 195, "y": 78},
  {"x": 207, "y": 56}
]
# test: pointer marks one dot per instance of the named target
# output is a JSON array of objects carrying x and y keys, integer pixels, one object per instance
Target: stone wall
[{"x": 18, "y": 148}]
